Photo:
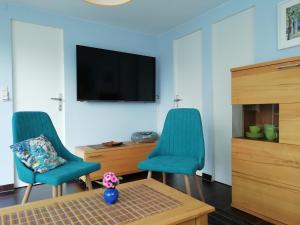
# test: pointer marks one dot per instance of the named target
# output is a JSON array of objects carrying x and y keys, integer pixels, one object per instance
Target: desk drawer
[{"x": 124, "y": 161}]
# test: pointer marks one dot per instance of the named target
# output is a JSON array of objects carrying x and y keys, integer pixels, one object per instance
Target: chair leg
[
  {"x": 54, "y": 191},
  {"x": 26, "y": 194},
  {"x": 164, "y": 177},
  {"x": 88, "y": 182},
  {"x": 199, "y": 188},
  {"x": 60, "y": 190},
  {"x": 187, "y": 185},
  {"x": 149, "y": 174}
]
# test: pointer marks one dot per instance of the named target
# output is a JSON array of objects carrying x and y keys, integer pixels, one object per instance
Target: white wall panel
[
  {"x": 188, "y": 70},
  {"x": 233, "y": 45}
]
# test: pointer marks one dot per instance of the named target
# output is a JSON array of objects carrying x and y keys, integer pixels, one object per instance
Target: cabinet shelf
[
  {"x": 258, "y": 140},
  {"x": 259, "y": 115}
]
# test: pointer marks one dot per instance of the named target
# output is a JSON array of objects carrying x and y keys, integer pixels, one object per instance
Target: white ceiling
[{"x": 148, "y": 16}]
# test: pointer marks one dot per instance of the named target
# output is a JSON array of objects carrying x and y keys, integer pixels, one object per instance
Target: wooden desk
[
  {"x": 122, "y": 159},
  {"x": 88, "y": 208}
]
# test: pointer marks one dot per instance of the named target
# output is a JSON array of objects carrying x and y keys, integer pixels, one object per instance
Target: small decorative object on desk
[
  {"x": 144, "y": 137},
  {"x": 110, "y": 182},
  {"x": 112, "y": 144}
]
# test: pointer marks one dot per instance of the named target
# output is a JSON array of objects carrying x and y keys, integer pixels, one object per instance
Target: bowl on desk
[{"x": 112, "y": 144}]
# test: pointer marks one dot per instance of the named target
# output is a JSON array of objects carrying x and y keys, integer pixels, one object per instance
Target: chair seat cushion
[
  {"x": 170, "y": 164},
  {"x": 68, "y": 171}
]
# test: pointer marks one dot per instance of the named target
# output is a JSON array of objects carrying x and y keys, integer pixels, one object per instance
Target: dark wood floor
[{"x": 216, "y": 194}]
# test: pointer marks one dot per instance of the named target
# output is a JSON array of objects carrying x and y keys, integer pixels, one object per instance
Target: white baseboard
[{"x": 199, "y": 173}]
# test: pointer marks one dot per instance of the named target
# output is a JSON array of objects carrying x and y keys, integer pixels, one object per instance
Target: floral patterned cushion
[{"x": 38, "y": 154}]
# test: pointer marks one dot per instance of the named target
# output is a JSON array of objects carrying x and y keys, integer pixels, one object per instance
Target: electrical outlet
[{"x": 4, "y": 95}]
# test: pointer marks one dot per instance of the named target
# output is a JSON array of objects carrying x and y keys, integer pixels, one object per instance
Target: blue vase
[{"x": 111, "y": 195}]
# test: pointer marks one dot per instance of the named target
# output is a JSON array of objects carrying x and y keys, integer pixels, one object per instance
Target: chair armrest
[
  {"x": 66, "y": 154},
  {"x": 154, "y": 153},
  {"x": 25, "y": 174}
]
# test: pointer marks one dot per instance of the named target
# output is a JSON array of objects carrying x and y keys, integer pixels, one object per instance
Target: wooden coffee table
[{"x": 144, "y": 202}]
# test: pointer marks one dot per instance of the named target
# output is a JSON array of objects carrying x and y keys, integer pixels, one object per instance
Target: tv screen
[{"x": 114, "y": 76}]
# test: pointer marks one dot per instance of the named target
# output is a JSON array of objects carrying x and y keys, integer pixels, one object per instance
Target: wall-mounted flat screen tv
[{"x": 105, "y": 75}]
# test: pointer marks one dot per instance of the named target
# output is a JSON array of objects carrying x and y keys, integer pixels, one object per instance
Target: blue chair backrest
[
  {"x": 182, "y": 135},
  {"x": 31, "y": 125}
]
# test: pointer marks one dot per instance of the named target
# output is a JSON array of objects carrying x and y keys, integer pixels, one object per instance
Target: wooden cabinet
[
  {"x": 266, "y": 179},
  {"x": 122, "y": 160},
  {"x": 267, "y": 83},
  {"x": 266, "y": 175},
  {"x": 289, "y": 122}
]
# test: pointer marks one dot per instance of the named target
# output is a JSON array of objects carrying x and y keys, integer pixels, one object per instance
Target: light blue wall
[
  {"x": 95, "y": 122},
  {"x": 265, "y": 49},
  {"x": 266, "y": 33},
  {"x": 85, "y": 123}
]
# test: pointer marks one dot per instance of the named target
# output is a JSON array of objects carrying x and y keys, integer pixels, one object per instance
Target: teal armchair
[
  {"x": 180, "y": 149},
  {"x": 28, "y": 125}
]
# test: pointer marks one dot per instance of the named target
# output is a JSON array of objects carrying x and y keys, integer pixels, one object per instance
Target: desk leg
[
  {"x": 88, "y": 182},
  {"x": 203, "y": 220}
]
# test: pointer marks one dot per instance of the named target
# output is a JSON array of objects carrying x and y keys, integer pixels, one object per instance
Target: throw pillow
[{"x": 38, "y": 154}]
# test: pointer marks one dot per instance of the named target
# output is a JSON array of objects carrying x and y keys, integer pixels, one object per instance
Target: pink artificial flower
[
  {"x": 108, "y": 173},
  {"x": 110, "y": 180},
  {"x": 104, "y": 183},
  {"x": 114, "y": 179},
  {"x": 107, "y": 177},
  {"x": 109, "y": 185}
]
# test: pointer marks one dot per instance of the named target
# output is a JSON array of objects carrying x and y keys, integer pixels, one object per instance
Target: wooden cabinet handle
[
  {"x": 288, "y": 66},
  {"x": 94, "y": 156}
]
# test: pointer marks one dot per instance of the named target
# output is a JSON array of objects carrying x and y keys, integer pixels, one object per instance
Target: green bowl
[
  {"x": 254, "y": 129},
  {"x": 254, "y": 135}
]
